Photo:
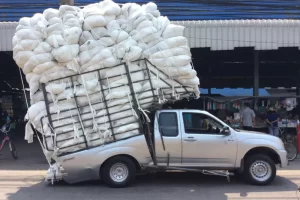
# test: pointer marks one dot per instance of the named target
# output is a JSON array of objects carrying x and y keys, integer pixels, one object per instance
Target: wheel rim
[
  {"x": 261, "y": 171},
  {"x": 118, "y": 172}
]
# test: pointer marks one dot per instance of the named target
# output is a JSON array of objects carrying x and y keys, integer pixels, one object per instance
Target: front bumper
[{"x": 283, "y": 158}]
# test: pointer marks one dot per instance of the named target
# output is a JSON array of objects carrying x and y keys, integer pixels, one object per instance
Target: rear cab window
[{"x": 168, "y": 124}]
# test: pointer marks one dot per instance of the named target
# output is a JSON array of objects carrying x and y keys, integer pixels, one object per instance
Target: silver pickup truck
[{"x": 187, "y": 140}]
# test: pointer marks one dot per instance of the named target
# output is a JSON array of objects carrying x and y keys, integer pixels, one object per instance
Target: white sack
[
  {"x": 25, "y": 21},
  {"x": 36, "y": 60},
  {"x": 110, "y": 7},
  {"x": 72, "y": 23},
  {"x": 177, "y": 51},
  {"x": 56, "y": 75},
  {"x": 66, "y": 53},
  {"x": 55, "y": 29},
  {"x": 35, "y": 109},
  {"x": 85, "y": 36},
  {"x": 42, "y": 47},
  {"x": 132, "y": 53},
  {"x": 26, "y": 45},
  {"x": 72, "y": 35},
  {"x": 119, "y": 36},
  {"x": 55, "y": 20},
  {"x": 86, "y": 56},
  {"x": 118, "y": 91},
  {"x": 66, "y": 9},
  {"x": 142, "y": 34},
  {"x": 193, "y": 81},
  {"x": 112, "y": 26},
  {"x": 93, "y": 21},
  {"x": 109, "y": 18},
  {"x": 174, "y": 61},
  {"x": 50, "y": 13},
  {"x": 56, "y": 40},
  {"x": 88, "y": 45},
  {"x": 166, "y": 44},
  {"x": 178, "y": 71},
  {"x": 173, "y": 30},
  {"x": 22, "y": 57},
  {"x": 99, "y": 32},
  {"x": 55, "y": 88},
  {"x": 29, "y": 34}
]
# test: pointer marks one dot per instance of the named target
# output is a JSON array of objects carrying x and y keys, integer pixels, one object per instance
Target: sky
[{"x": 13, "y": 10}]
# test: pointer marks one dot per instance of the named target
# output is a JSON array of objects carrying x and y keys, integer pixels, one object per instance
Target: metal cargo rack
[{"x": 144, "y": 126}]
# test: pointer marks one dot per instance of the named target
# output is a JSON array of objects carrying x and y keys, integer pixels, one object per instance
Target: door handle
[
  {"x": 190, "y": 139},
  {"x": 230, "y": 140}
]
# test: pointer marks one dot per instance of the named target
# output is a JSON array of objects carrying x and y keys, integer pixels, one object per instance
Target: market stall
[{"x": 228, "y": 109}]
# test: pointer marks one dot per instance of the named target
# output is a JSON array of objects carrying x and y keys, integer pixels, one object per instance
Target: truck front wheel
[
  {"x": 259, "y": 169},
  {"x": 118, "y": 172}
]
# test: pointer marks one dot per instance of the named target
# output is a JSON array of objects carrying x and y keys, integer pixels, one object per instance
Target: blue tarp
[
  {"x": 235, "y": 91},
  {"x": 12, "y": 10}
]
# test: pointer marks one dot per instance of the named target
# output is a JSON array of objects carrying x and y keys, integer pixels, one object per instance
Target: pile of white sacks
[{"x": 71, "y": 41}]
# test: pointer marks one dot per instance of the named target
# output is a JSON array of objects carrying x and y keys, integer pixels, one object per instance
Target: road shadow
[{"x": 173, "y": 185}]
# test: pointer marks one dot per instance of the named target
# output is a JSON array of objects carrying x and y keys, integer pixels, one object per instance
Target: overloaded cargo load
[{"x": 94, "y": 71}]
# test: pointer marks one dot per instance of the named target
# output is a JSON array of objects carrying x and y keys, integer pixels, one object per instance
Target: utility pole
[{"x": 66, "y": 2}]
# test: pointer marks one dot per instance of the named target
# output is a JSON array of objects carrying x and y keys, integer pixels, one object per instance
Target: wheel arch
[
  {"x": 135, "y": 162},
  {"x": 262, "y": 150}
]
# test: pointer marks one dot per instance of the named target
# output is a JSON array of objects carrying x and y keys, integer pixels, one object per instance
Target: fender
[{"x": 249, "y": 144}]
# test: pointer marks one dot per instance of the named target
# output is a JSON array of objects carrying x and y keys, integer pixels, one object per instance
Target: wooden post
[
  {"x": 256, "y": 74},
  {"x": 66, "y": 2}
]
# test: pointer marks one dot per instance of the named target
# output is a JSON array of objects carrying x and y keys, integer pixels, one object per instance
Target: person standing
[
  {"x": 222, "y": 114},
  {"x": 248, "y": 117},
  {"x": 5, "y": 118},
  {"x": 272, "y": 121}
]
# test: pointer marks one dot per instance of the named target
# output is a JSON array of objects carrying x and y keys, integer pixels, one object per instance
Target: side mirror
[{"x": 226, "y": 130}]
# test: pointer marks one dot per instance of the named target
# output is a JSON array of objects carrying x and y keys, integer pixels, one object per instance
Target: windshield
[{"x": 234, "y": 125}]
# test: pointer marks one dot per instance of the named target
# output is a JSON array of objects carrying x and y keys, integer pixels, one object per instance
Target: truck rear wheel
[
  {"x": 118, "y": 172},
  {"x": 259, "y": 170}
]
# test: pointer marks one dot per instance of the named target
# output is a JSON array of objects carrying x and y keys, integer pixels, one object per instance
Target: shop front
[{"x": 229, "y": 109}]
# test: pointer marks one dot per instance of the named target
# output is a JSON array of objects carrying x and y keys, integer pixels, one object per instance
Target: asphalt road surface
[{"x": 23, "y": 180}]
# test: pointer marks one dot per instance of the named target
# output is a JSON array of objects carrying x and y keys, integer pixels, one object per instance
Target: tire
[
  {"x": 13, "y": 150},
  {"x": 259, "y": 170},
  {"x": 291, "y": 150},
  {"x": 118, "y": 172}
]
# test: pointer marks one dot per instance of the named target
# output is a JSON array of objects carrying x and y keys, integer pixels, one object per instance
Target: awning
[{"x": 242, "y": 92}]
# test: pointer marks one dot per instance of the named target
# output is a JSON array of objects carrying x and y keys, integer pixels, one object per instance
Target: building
[{"x": 239, "y": 53}]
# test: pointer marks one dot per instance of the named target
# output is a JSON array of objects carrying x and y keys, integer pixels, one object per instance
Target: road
[{"x": 23, "y": 180}]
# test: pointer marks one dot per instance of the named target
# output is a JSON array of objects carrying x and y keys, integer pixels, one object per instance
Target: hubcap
[
  {"x": 118, "y": 172},
  {"x": 261, "y": 171}
]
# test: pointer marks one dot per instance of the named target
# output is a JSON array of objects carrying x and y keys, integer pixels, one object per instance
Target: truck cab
[
  {"x": 194, "y": 138},
  {"x": 187, "y": 140}
]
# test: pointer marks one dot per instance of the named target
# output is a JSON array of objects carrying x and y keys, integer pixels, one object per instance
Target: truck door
[
  {"x": 168, "y": 138},
  {"x": 204, "y": 144}
]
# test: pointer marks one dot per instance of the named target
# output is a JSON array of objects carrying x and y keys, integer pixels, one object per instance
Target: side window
[
  {"x": 168, "y": 124},
  {"x": 201, "y": 124}
]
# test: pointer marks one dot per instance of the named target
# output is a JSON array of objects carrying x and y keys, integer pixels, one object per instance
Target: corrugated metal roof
[
  {"x": 216, "y": 34},
  {"x": 229, "y": 34},
  {"x": 7, "y": 31}
]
